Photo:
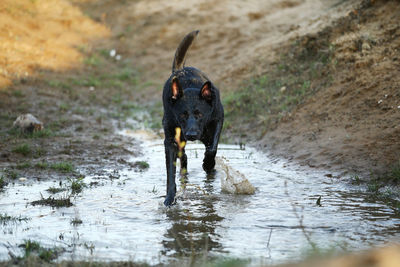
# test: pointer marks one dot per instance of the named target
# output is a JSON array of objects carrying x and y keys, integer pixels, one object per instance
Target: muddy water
[{"x": 123, "y": 217}]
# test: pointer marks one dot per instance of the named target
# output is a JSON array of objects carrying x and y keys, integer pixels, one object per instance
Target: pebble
[{"x": 28, "y": 123}]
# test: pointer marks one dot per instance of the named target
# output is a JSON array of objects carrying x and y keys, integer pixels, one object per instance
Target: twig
[{"x": 300, "y": 218}]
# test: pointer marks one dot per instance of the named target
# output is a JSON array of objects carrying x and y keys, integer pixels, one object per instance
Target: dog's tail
[{"x": 180, "y": 54}]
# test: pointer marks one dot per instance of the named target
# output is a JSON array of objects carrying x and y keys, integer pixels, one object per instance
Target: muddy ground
[{"x": 314, "y": 81}]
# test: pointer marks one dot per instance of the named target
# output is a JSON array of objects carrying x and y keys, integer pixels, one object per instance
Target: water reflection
[
  {"x": 125, "y": 218},
  {"x": 193, "y": 230}
]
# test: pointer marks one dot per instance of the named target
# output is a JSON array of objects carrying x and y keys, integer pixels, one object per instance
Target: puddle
[{"x": 124, "y": 219}]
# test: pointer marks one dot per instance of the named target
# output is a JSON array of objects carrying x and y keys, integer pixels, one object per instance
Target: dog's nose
[{"x": 191, "y": 136}]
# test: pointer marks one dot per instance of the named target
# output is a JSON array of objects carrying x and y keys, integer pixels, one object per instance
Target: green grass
[
  {"x": 355, "y": 179},
  {"x": 394, "y": 173},
  {"x": 59, "y": 84},
  {"x": 18, "y": 93},
  {"x": 23, "y": 165},
  {"x": 54, "y": 202},
  {"x": 42, "y": 165},
  {"x": 23, "y": 149},
  {"x": 77, "y": 185},
  {"x": 11, "y": 174},
  {"x": 3, "y": 183},
  {"x": 64, "y": 107},
  {"x": 55, "y": 190},
  {"x": 33, "y": 248},
  {"x": 65, "y": 167},
  {"x": 36, "y": 134},
  {"x": 62, "y": 167},
  {"x": 76, "y": 221},
  {"x": 93, "y": 60},
  {"x": 141, "y": 165},
  {"x": 5, "y": 219}
]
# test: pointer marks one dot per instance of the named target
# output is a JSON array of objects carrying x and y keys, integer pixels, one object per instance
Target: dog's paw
[
  {"x": 208, "y": 165},
  {"x": 169, "y": 200}
]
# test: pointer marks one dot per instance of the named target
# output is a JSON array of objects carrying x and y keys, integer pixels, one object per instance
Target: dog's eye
[{"x": 197, "y": 114}]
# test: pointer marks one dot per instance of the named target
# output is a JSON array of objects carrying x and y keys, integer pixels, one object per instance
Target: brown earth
[
  {"x": 353, "y": 124},
  {"x": 55, "y": 64},
  {"x": 42, "y": 35}
]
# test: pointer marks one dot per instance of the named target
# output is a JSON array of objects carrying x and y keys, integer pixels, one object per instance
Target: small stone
[
  {"x": 283, "y": 89},
  {"x": 28, "y": 123},
  {"x": 380, "y": 101},
  {"x": 118, "y": 57},
  {"x": 113, "y": 53},
  {"x": 365, "y": 46},
  {"x": 22, "y": 179}
]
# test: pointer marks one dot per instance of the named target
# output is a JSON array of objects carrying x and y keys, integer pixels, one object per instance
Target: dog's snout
[
  {"x": 192, "y": 130},
  {"x": 191, "y": 136}
]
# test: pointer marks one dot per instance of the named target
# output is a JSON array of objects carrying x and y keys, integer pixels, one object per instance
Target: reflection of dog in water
[{"x": 191, "y": 103}]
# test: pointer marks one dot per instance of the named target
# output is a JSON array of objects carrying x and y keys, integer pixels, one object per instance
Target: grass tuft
[
  {"x": 55, "y": 190},
  {"x": 4, "y": 219},
  {"x": 62, "y": 167},
  {"x": 76, "y": 221},
  {"x": 77, "y": 185},
  {"x": 35, "y": 249},
  {"x": 23, "y": 149},
  {"x": 54, "y": 202},
  {"x": 3, "y": 183},
  {"x": 141, "y": 165}
]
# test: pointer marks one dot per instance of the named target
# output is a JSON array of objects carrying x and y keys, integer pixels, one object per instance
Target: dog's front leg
[
  {"x": 211, "y": 149},
  {"x": 170, "y": 159}
]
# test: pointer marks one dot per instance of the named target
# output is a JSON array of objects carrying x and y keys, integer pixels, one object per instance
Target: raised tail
[{"x": 180, "y": 54}]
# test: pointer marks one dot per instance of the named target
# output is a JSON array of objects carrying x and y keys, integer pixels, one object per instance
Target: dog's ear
[
  {"x": 176, "y": 88},
  {"x": 206, "y": 91}
]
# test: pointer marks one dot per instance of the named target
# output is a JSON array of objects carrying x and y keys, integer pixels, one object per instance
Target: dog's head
[{"x": 192, "y": 108}]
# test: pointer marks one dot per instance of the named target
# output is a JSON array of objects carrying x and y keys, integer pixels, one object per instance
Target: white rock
[
  {"x": 28, "y": 123},
  {"x": 365, "y": 46},
  {"x": 232, "y": 181},
  {"x": 113, "y": 53}
]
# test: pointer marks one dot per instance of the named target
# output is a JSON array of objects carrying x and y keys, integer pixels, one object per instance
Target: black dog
[{"x": 191, "y": 103}]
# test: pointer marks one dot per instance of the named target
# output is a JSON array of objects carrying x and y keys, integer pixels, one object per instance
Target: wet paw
[
  {"x": 169, "y": 200},
  {"x": 208, "y": 165}
]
